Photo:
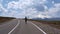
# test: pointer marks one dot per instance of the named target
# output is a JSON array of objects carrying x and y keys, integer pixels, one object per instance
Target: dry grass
[
  {"x": 55, "y": 24},
  {"x": 4, "y": 19}
]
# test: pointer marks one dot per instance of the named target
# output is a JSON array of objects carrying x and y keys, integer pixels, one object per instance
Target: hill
[{"x": 4, "y": 19}]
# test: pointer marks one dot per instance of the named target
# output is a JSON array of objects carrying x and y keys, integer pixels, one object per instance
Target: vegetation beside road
[
  {"x": 4, "y": 19},
  {"x": 51, "y": 23}
]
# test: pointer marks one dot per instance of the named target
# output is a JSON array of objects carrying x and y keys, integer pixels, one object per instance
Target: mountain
[{"x": 47, "y": 19}]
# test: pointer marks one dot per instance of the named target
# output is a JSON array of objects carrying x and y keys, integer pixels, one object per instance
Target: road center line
[
  {"x": 39, "y": 28},
  {"x": 14, "y": 27}
]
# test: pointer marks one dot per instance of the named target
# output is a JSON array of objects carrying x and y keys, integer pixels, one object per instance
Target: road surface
[{"x": 17, "y": 26}]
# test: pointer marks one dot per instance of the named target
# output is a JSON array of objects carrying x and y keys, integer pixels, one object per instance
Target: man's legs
[{"x": 26, "y": 21}]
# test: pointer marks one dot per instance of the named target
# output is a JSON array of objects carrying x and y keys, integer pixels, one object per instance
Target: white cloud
[
  {"x": 53, "y": 2},
  {"x": 28, "y": 10},
  {"x": 45, "y": 7},
  {"x": 3, "y": 9},
  {"x": 42, "y": 1},
  {"x": 24, "y": 5},
  {"x": 43, "y": 16},
  {"x": 52, "y": 12},
  {"x": 12, "y": 4}
]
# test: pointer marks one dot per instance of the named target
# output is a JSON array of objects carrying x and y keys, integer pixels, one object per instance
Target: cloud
[
  {"x": 23, "y": 4},
  {"x": 2, "y": 9},
  {"x": 43, "y": 16},
  {"x": 13, "y": 5},
  {"x": 27, "y": 7},
  {"x": 32, "y": 9},
  {"x": 6, "y": 12},
  {"x": 53, "y": 12}
]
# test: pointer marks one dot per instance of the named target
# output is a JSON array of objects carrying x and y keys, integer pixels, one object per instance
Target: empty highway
[{"x": 18, "y": 26}]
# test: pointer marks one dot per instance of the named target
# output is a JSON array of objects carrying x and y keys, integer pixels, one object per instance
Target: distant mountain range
[{"x": 47, "y": 19}]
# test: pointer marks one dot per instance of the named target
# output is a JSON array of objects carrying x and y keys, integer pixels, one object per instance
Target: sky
[{"x": 30, "y": 8}]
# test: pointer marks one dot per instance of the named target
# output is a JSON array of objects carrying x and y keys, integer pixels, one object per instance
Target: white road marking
[
  {"x": 39, "y": 28},
  {"x": 14, "y": 27}
]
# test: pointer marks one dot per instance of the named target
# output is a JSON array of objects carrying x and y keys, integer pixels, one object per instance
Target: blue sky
[{"x": 30, "y": 8}]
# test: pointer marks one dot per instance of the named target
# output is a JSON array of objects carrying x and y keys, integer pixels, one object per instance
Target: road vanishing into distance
[{"x": 18, "y": 26}]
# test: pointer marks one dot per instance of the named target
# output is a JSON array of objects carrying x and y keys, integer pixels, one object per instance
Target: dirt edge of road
[{"x": 50, "y": 24}]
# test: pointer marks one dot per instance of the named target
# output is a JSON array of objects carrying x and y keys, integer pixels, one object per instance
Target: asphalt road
[{"x": 18, "y": 26}]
